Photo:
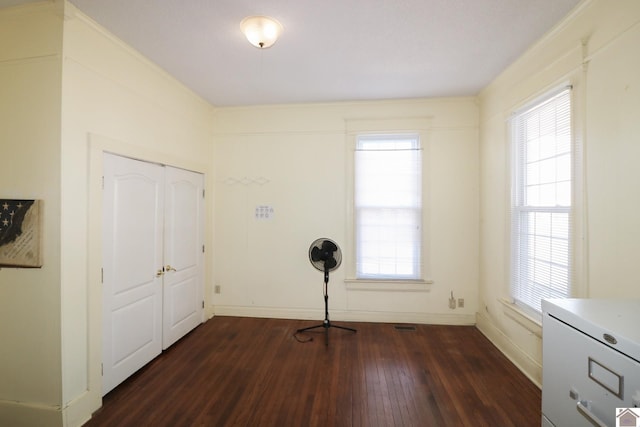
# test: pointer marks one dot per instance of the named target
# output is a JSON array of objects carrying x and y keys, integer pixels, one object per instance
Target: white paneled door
[
  {"x": 183, "y": 254},
  {"x": 152, "y": 262}
]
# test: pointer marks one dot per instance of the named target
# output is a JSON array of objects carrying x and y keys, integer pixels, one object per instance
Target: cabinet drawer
[{"x": 577, "y": 368}]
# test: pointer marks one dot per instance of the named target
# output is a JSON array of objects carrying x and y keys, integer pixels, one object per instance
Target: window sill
[
  {"x": 516, "y": 314},
  {"x": 388, "y": 285}
]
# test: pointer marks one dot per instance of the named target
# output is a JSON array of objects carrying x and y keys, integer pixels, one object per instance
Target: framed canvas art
[{"x": 20, "y": 233}]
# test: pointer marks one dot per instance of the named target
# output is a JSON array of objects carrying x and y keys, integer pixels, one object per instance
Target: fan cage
[{"x": 320, "y": 264}]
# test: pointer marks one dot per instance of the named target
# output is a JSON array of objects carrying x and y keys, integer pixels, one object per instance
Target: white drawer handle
[{"x": 586, "y": 412}]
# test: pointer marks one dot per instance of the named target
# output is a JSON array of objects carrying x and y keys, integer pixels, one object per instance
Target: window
[
  {"x": 542, "y": 178},
  {"x": 388, "y": 207}
]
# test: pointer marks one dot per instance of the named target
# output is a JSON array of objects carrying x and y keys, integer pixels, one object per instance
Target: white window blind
[
  {"x": 542, "y": 201},
  {"x": 388, "y": 207}
]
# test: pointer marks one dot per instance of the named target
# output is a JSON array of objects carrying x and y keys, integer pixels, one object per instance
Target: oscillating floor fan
[{"x": 326, "y": 256}]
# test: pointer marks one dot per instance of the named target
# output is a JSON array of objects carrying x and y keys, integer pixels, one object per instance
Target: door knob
[
  {"x": 169, "y": 268},
  {"x": 159, "y": 273}
]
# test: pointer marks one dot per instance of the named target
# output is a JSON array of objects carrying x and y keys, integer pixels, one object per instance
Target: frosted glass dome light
[{"x": 261, "y": 31}]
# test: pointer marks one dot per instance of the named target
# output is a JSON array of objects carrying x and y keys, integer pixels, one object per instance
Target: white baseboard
[
  {"x": 74, "y": 414},
  {"x": 80, "y": 410},
  {"x": 20, "y": 414},
  {"x": 346, "y": 316},
  {"x": 531, "y": 368}
]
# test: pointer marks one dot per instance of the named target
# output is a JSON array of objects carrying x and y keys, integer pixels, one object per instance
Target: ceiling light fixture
[{"x": 261, "y": 31}]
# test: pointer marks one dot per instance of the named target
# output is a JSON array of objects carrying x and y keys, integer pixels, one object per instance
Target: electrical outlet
[
  {"x": 461, "y": 302},
  {"x": 216, "y": 289}
]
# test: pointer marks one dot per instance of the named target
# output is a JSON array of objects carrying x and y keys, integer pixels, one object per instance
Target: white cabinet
[{"x": 591, "y": 361}]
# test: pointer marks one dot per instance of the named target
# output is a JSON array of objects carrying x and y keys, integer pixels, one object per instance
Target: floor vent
[{"x": 405, "y": 328}]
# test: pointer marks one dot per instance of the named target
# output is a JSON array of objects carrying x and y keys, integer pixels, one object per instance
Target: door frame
[{"x": 97, "y": 146}]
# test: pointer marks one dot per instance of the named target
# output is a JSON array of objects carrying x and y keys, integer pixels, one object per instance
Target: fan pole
[{"x": 326, "y": 324}]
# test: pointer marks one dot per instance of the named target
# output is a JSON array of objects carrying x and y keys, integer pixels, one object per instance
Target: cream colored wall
[
  {"x": 595, "y": 49},
  {"x": 613, "y": 153},
  {"x": 294, "y": 158},
  {"x": 30, "y": 86},
  {"x": 113, "y": 100},
  {"x": 70, "y": 91}
]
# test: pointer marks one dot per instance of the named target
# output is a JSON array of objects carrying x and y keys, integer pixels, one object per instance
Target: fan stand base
[{"x": 326, "y": 324}]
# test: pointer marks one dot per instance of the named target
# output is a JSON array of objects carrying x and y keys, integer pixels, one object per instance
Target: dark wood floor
[{"x": 253, "y": 372}]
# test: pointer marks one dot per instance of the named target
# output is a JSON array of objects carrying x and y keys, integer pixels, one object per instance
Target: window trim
[
  {"x": 362, "y": 127},
  {"x": 576, "y": 231},
  {"x": 369, "y": 204}
]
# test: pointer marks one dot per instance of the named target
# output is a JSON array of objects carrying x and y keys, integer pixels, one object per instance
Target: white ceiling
[{"x": 330, "y": 50}]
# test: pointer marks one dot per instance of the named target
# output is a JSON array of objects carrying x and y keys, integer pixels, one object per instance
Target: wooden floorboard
[{"x": 253, "y": 372}]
